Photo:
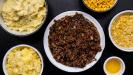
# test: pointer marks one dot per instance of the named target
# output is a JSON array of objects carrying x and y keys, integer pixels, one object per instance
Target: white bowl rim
[
  {"x": 109, "y": 30},
  {"x": 21, "y": 45},
  {"x": 22, "y": 34},
  {"x": 64, "y": 67},
  {"x": 122, "y": 64}
]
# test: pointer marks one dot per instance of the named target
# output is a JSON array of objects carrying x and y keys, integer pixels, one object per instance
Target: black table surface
[{"x": 56, "y": 7}]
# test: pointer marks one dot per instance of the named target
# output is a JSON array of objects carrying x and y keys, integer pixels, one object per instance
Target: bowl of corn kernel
[
  {"x": 121, "y": 30},
  {"x": 22, "y": 17},
  {"x": 23, "y": 60},
  {"x": 100, "y": 5}
]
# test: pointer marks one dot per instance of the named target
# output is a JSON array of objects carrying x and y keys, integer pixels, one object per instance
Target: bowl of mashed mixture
[
  {"x": 22, "y": 17},
  {"x": 23, "y": 60}
]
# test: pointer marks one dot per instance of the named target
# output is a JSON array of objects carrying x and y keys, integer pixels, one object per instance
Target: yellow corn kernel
[
  {"x": 99, "y": 5},
  {"x": 122, "y": 30}
]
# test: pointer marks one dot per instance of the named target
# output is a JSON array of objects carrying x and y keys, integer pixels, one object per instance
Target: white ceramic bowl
[
  {"x": 116, "y": 1},
  {"x": 109, "y": 30},
  {"x": 121, "y": 72},
  {"x": 5, "y": 57},
  {"x": 20, "y": 34},
  {"x": 64, "y": 67}
]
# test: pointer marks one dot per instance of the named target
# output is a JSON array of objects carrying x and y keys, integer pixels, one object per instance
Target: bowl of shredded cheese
[
  {"x": 100, "y": 5},
  {"x": 121, "y": 30},
  {"x": 23, "y": 60},
  {"x": 22, "y": 17}
]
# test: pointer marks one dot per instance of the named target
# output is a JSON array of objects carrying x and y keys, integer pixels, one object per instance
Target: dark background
[{"x": 56, "y": 7}]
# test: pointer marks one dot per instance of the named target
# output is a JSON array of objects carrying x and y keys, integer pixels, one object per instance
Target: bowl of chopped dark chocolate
[{"x": 74, "y": 41}]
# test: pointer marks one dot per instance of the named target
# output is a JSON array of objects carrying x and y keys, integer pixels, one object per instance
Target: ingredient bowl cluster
[{"x": 74, "y": 41}]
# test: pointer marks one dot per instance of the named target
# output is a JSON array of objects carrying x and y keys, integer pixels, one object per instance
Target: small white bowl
[
  {"x": 116, "y": 1},
  {"x": 122, "y": 70},
  {"x": 64, "y": 67},
  {"x": 109, "y": 30},
  {"x": 20, "y": 34},
  {"x": 22, "y": 45}
]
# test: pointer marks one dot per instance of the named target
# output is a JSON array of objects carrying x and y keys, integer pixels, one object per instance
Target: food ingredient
[
  {"x": 74, "y": 41},
  {"x": 113, "y": 66},
  {"x": 23, "y": 61},
  {"x": 99, "y": 5},
  {"x": 23, "y": 15},
  {"x": 122, "y": 31}
]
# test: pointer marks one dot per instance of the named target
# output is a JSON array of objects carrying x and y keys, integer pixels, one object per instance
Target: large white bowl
[
  {"x": 109, "y": 30},
  {"x": 5, "y": 57},
  {"x": 64, "y": 67},
  {"x": 20, "y": 34}
]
